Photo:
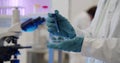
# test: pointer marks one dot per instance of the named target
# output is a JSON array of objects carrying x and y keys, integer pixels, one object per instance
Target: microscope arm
[{"x": 15, "y": 30}]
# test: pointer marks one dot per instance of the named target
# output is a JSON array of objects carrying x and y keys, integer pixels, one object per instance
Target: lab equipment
[
  {"x": 12, "y": 35},
  {"x": 11, "y": 50},
  {"x": 65, "y": 29},
  {"x": 32, "y": 24}
]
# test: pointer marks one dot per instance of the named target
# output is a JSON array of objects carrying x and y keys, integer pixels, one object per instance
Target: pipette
[
  {"x": 55, "y": 20},
  {"x": 57, "y": 37}
]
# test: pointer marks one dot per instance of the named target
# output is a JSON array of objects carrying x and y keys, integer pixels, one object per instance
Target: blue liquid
[{"x": 32, "y": 24}]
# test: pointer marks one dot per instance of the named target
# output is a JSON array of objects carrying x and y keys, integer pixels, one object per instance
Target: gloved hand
[
  {"x": 70, "y": 45},
  {"x": 65, "y": 28}
]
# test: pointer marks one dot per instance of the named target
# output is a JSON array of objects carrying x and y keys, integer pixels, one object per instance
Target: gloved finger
[
  {"x": 53, "y": 38},
  {"x": 51, "y": 27},
  {"x": 50, "y": 14},
  {"x": 56, "y": 12},
  {"x": 60, "y": 17},
  {"x": 51, "y": 24},
  {"x": 50, "y": 20},
  {"x": 60, "y": 38},
  {"x": 52, "y": 30}
]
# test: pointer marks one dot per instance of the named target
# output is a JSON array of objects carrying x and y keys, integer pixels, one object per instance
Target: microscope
[
  {"x": 10, "y": 52},
  {"x": 6, "y": 52}
]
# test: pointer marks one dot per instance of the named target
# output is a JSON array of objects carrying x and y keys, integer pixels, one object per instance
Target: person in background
[{"x": 82, "y": 21}]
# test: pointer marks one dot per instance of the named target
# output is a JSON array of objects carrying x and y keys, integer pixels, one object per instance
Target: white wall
[
  {"x": 62, "y": 6},
  {"x": 70, "y": 8},
  {"x": 76, "y": 6}
]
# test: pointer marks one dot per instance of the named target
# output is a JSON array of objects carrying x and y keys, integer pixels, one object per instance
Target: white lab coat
[
  {"x": 81, "y": 21},
  {"x": 102, "y": 38}
]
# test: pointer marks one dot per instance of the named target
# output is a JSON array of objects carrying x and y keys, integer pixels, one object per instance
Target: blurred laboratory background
[{"x": 32, "y": 9}]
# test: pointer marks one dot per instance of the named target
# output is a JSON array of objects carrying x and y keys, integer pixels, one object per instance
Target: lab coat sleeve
[{"x": 103, "y": 49}]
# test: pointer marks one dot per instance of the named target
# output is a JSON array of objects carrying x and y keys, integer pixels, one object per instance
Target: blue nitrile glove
[
  {"x": 70, "y": 45},
  {"x": 65, "y": 28}
]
